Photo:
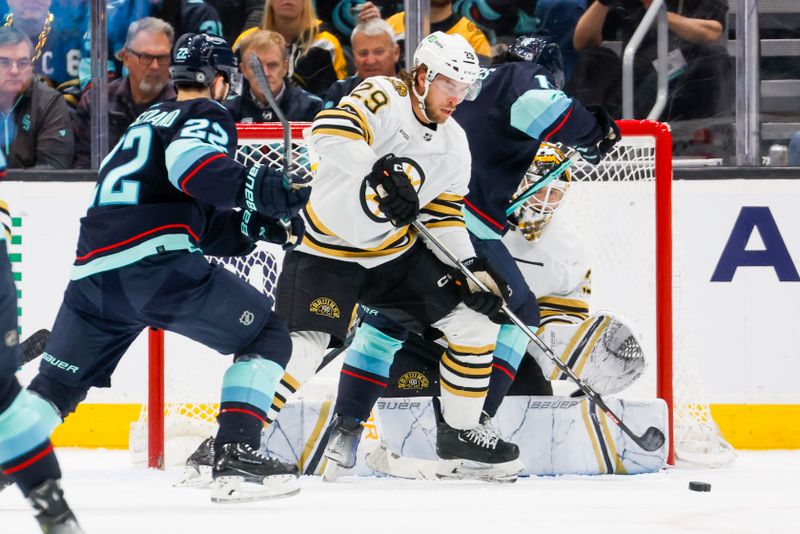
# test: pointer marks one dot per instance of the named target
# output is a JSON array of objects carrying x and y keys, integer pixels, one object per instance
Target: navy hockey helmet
[
  {"x": 198, "y": 57},
  {"x": 541, "y": 52}
]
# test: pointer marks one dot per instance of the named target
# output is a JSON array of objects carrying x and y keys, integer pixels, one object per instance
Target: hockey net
[{"x": 622, "y": 208}]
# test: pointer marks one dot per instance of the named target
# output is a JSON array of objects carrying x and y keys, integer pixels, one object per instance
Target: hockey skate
[
  {"x": 477, "y": 453},
  {"x": 345, "y": 433},
  {"x": 55, "y": 516},
  {"x": 197, "y": 469},
  {"x": 242, "y": 474}
]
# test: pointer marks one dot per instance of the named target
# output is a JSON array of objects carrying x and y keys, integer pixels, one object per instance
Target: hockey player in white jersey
[{"x": 389, "y": 155}]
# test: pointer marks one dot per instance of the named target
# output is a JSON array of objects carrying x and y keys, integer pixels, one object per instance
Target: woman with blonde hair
[{"x": 316, "y": 59}]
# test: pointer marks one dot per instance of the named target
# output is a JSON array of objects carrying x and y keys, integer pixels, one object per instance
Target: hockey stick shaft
[
  {"x": 571, "y": 157},
  {"x": 651, "y": 440},
  {"x": 34, "y": 345},
  {"x": 263, "y": 84}
]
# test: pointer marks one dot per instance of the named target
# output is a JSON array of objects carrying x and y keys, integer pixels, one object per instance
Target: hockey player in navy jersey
[
  {"x": 26, "y": 419},
  {"x": 166, "y": 194},
  {"x": 519, "y": 106}
]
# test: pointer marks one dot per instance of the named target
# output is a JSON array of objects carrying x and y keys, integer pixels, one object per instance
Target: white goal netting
[{"x": 614, "y": 207}]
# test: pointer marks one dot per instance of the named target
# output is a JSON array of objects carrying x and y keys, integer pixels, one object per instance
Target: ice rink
[{"x": 760, "y": 493}]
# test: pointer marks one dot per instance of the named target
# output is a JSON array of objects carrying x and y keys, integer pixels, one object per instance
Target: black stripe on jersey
[
  {"x": 549, "y": 305},
  {"x": 327, "y": 126},
  {"x": 463, "y": 388},
  {"x": 451, "y": 352},
  {"x": 448, "y": 204},
  {"x": 398, "y": 243},
  {"x": 467, "y": 376}
]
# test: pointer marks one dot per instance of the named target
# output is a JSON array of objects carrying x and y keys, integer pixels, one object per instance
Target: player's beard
[{"x": 434, "y": 113}]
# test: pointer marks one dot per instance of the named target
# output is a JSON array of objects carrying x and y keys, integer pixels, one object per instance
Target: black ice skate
[
  {"x": 477, "y": 453},
  {"x": 55, "y": 516},
  {"x": 242, "y": 474},
  {"x": 197, "y": 469}
]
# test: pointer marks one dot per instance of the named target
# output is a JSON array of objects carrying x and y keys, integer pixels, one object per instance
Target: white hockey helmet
[
  {"x": 532, "y": 216},
  {"x": 451, "y": 56}
]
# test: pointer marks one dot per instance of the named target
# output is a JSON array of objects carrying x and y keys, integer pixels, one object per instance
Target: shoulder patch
[{"x": 399, "y": 86}]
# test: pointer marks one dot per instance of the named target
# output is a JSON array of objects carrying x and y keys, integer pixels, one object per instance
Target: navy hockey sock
[
  {"x": 359, "y": 390},
  {"x": 33, "y": 467}
]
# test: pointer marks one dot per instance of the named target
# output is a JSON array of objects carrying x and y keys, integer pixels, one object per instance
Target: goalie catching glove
[
  {"x": 594, "y": 152},
  {"x": 256, "y": 227},
  {"x": 486, "y": 302},
  {"x": 263, "y": 191},
  {"x": 602, "y": 350},
  {"x": 396, "y": 196}
]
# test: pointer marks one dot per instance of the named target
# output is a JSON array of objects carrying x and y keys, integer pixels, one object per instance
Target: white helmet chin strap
[{"x": 421, "y": 97}]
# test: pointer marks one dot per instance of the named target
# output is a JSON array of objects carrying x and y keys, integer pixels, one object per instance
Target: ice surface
[{"x": 760, "y": 493}]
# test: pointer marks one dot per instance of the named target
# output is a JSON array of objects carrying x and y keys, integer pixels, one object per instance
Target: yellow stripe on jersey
[
  {"x": 443, "y": 224},
  {"x": 398, "y": 242},
  {"x": 441, "y": 208},
  {"x": 313, "y": 218},
  {"x": 564, "y": 304},
  {"x": 343, "y": 122},
  {"x": 362, "y": 121},
  {"x": 474, "y": 351}
]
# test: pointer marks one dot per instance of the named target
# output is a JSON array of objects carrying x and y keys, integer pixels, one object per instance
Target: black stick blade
[
  {"x": 652, "y": 439},
  {"x": 34, "y": 345}
]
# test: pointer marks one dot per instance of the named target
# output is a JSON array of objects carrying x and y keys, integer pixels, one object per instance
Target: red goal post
[{"x": 640, "y": 166}]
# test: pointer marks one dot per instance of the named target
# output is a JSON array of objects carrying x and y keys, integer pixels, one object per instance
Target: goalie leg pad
[{"x": 603, "y": 351}]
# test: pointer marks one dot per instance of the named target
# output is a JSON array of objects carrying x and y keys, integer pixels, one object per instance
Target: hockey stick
[
  {"x": 651, "y": 440},
  {"x": 263, "y": 84},
  {"x": 34, "y": 345},
  {"x": 571, "y": 157}
]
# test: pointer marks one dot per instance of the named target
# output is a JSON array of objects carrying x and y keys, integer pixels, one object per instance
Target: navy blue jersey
[
  {"x": 168, "y": 184},
  {"x": 516, "y": 109}
]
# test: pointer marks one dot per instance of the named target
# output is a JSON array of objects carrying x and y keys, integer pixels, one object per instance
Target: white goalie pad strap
[{"x": 602, "y": 350}]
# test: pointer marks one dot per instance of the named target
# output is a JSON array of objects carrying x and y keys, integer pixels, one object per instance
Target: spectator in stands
[
  {"x": 252, "y": 106},
  {"x": 700, "y": 72},
  {"x": 316, "y": 59},
  {"x": 238, "y": 15},
  {"x": 344, "y": 15},
  {"x": 55, "y": 29},
  {"x": 146, "y": 56},
  {"x": 35, "y": 131},
  {"x": 444, "y": 19},
  {"x": 375, "y": 53}
]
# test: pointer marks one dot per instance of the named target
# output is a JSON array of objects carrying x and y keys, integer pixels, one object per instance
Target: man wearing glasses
[
  {"x": 146, "y": 58},
  {"x": 35, "y": 129}
]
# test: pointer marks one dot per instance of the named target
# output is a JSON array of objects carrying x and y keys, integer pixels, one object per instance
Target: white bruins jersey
[
  {"x": 556, "y": 269},
  {"x": 342, "y": 217}
]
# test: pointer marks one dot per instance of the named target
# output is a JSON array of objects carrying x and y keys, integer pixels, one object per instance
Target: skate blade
[
  {"x": 198, "y": 477},
  {"x": 235, "y": 489},
  {"x": 505, "y": 473}
]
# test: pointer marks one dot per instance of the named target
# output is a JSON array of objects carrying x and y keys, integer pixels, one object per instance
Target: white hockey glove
[{"x": 603, "y": 351}]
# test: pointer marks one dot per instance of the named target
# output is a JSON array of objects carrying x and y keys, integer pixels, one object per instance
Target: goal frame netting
[{"x": 270, "y": 135}]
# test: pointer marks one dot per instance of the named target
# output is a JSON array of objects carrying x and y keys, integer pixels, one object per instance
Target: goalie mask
[{"x": 532, "y": 216}]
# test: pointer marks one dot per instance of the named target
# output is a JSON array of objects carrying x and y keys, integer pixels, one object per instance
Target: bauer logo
[
  {"x": 247, "y": 318},
  {"x": 554, "y": 404},
  {"x": 394, "y": 405},
  {"x": 55, "y": 362},
  {"x": 325, "y": 307},
  {"x": 413, "y": 380}
]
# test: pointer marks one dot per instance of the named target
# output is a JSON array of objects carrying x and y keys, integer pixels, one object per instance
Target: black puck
[{"x": 699, "y": 486}]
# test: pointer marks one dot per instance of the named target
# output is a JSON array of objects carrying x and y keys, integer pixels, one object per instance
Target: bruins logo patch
[
  {"x": 399, "y": 86},
  {"x": 413, "y": 380},
  {"x": 325, "y": 307}
]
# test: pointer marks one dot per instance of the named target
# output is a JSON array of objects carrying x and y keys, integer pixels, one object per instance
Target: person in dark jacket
[
  {"x": 252, "y": 106},
  {"x": 146, "y": 56},
  {"x": 375, "y": 53},
  {"x": 35, "y": 130}
]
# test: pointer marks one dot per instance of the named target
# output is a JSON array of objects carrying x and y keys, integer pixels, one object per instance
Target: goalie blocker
[{"x": 602, "y": 350}]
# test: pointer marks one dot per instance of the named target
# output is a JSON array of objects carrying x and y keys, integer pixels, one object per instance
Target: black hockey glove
[
  {"x": 263, "y": 191},
  {"x": 595, "y": 152},
  {"x": 397, "y": 198},
  {"x": 486, "y": 302},
  {"x": 256, "y": 227}
]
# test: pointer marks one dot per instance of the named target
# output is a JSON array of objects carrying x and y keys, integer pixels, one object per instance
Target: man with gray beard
[{"x": 146, "y": 57}]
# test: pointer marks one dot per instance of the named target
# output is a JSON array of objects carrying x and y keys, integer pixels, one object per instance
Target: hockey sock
[
  {"x": 26, "y": 453},
  {"x": 511, "y": 346},
  {"x": 365, "y": 371},
  {"x": 247, "y": 390},
  {"x": 308, "y": 349}
]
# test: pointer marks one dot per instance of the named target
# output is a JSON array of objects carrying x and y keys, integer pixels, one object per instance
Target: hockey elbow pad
[{"x": 264, "y": 191}]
